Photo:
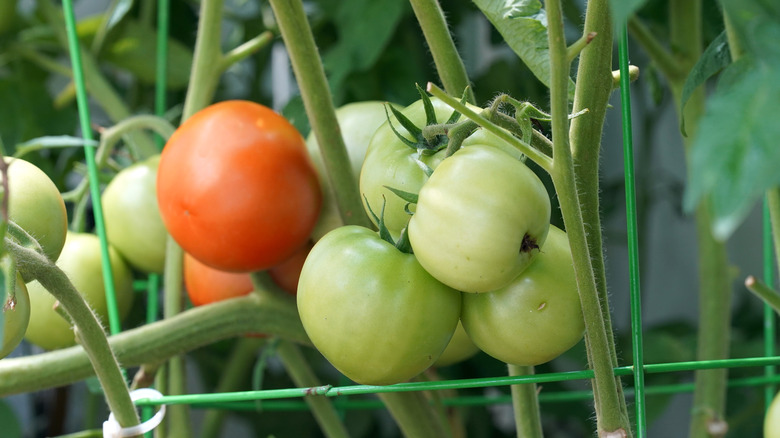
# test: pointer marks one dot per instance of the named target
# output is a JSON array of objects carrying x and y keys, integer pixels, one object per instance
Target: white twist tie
[{"x": 112, "y": 429}]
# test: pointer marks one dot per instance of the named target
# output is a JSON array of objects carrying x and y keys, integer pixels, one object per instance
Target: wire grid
[{"x": 279, "y": 399}]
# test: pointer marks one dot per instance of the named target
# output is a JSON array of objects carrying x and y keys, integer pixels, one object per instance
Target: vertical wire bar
[
  {"x": 92, "y": 172},
  {"x": 161, "y": 85},
  {"x": 770, "y": 316},
  {"x": 633, "y": 247}
]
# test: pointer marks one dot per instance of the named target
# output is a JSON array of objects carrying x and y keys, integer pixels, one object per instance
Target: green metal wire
[
  {"x": 633, "y": 245},
  {"x": 92, "y": 172},
  {"x": 770, "y": 316}
]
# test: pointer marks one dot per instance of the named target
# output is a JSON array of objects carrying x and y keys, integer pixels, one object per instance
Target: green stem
[
  {"x": 766, "y": 293},
  {"x": 773, "y": 203},
  {"x": 611, "y": 410},
  {"x": 525, "y": 402},
  {"x": 307, "y": 66},
  {"x": 666, "y": 62},
  {"x": 158, "y": 341},
  {"x": 233, "y": 375},
  {"x": 414, "y": 413},
  {"x": 244, "y": 51},
  {"x": 90, "y": 333},
  {"x": 449, "y": 65},
  {"x": 206, "y": 59},
  {"x": 302, "y": 375},
  {"x": 112, "y": 135}
]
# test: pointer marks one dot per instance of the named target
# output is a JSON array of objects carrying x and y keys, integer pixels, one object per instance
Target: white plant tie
[{"x": 112, "y": 429}]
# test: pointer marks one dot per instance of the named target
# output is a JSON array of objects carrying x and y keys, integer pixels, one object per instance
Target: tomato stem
[
  {"x": 445, "y": 55},
  {"x": 91, "y": 334},
  {"x": 525, "y": 401}
]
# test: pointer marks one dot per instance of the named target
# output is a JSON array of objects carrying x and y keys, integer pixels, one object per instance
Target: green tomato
[
  {"x": 534, "y": 319},
  {"x": 35, "y": 204},
  {"x": 16, "y": 316},
  {"x": 358, "y": 121},
  {"x": 460, "y": 348},
  {"x": 480, "y": 219},
  {"x": 81, "y": 262},
  {"x": 772, "y": 419},
  {"x": 391, "y": 163},
  {"x": 372, "y": 310},
  {"x": 133, "y": 223}
]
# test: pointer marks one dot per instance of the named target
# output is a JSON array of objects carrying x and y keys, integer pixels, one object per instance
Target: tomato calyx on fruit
[{"x": 402, "y": 244}]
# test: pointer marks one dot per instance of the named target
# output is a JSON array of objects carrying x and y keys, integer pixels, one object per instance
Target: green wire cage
[{"x": 349, "y": 396}]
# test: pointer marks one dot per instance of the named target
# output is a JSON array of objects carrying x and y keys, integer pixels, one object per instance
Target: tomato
[
  {"x": 374, "y": 313},
  {"x": 81, "y": 261},
  {"x": 206, "y": 285},
  {"x": 133, "y": 223},
  {"x": 16, "y": 316},
  {"x": 480, "y": 219},
  {"x": 534, "y": 319},
  {"x": 236, "y": 187},
  {"x": 35, "y": 204},
  {"x": 389, "y": 162},
  {"x": 358, "y": 122},
  {"x": 460, "y": 348},
  {"x": 772, "y": 419}
]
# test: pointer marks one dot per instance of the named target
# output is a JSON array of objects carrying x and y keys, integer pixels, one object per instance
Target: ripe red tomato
[{"x": 236, "y": 187}]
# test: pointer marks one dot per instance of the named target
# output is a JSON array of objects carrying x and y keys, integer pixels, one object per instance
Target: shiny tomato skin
[
  {"x": 371, "y": 310},
  {"x": 535, "y": 318},
  {"x": 35, "y": 204},
  {"x": 236, "y": 187},
  {"x": 206, "y": 285}
]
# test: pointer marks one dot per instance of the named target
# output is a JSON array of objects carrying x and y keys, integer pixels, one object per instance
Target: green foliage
[{"x": 735, "y": 154}]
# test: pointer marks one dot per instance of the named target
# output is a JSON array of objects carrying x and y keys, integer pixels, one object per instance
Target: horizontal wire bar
[{"x": 331, "y": 391}]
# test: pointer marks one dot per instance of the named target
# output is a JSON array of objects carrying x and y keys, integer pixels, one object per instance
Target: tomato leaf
[
  {"x": 716, "y": 57},
  {"x": 523, "y": 24},
  {"x": 735, "y": 154}
]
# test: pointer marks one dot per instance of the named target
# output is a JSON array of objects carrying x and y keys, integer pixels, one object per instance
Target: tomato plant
[
  {"x": 133, "y": 223},
  {"x": 81, "y": 261},
  {"x": 392, "y": 163},
  {"x": 35, "y": 204},
  {"x": 371, "y": 309},
  {"x": 535, "y": 318},
  {"x": 236, "y": 187},
  {"x": 358, "y": 121},
  {"x": 772, "y": 419},
  {"x": 480, "y": 219},
  {"x": 460, "y": 348},
  {"x": 16, "y": 316}
]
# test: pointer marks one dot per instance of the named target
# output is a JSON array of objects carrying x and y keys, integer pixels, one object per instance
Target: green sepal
[
  {"x": 455, "y": 114},
  {"x": 384, "y": 233},
  {"x": 406, "y": 196},
  {"x": 430, "y": 113},
  {"x": 413, "y": 129},
  {"x": 403, "y": 244}
]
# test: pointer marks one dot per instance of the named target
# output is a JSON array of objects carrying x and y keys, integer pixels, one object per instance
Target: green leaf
[
  {"x": 622, "y": 10},
  {"x": 523, "y": 24},
  {"x": 716, "y": 57},
  {"x": 364, "y": 30},
  {"x": 735, "y": 155}
]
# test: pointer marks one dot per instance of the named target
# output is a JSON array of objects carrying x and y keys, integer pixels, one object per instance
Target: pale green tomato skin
[
  {"x": 473, "y": 216},
  {"x": 358, "y": 122},
  {"x": 133, "y": 223},
  {"x": 371, "y": 310},
  {"x": 81, "y": 262},
  {"x": 537, "y": 317},
  {"x": 391, "y": 163},
  {"x": 460, "y": 348},
  {"x": 36, "y": 205},
  {"x": 15, "y": 318},
  {"x": 772, "y": 419}
]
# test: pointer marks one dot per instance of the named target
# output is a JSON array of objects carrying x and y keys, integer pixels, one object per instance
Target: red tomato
[
  {"x": 287, "y": 273},
  {"x": 236, "y": 187}
]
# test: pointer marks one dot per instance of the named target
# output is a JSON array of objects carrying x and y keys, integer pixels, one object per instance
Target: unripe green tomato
[
  {"x": 534, "y": 319},
  {"x": 16, "y": 316},
  {"x": 772, "y": 419},
  {"x": 81, "y": 262},
  {"x": 133, "y": 223},
  {"x": 35, "y": 204},
  {"x": 358, "y": 121},
  {"x": 460, "y": 348},
  {"x": 480, "y": 220}
]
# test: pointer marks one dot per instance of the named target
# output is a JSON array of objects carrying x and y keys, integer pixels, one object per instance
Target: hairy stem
[
  {"x": 445, "y": 55},
  {"x": 317, "y": 100},
  {"x": 91, "y": 334}
]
